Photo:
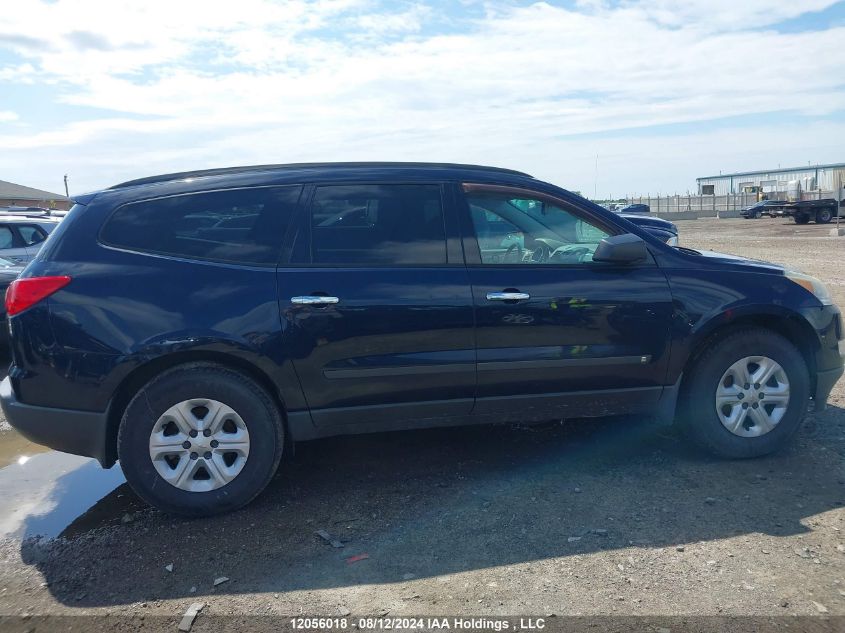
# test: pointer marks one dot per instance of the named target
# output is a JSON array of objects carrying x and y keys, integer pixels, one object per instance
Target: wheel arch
[
  {"x": 790, "y": 325},
  {"x": 142, "y": 374}
]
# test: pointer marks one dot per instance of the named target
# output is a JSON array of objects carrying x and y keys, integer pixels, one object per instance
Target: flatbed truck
[{"x": 821, "y": 211}]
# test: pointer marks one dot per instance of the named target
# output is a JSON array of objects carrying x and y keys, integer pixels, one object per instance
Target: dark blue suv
[{"x": 194, "y": 325}]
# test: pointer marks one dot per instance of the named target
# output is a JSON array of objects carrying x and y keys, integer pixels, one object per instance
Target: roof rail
[
  {"x": 25, "y": 211},
  {"x": 293, "y": 166}
]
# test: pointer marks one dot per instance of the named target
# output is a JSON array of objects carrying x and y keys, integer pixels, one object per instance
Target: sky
[{"x": 609, "y": 98}]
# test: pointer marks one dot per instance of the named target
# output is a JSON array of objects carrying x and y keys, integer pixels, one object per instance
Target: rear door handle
[
  {"x": 507, "y": 296},
  {"x": 314, "y": 300}
]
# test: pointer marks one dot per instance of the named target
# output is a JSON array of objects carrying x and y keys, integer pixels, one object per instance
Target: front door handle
[
  {"x": 507, "y": 296},
  {"x": 314, "y": 300}
]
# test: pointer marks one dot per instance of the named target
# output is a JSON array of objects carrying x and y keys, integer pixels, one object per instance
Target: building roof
[
  {"x": 775, "y": 171},
  {"x": 11, "y": 191}
]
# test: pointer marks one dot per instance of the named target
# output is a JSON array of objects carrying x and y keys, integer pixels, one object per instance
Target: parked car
[
  {"x": 771, "y": 208},
  {"x": 22, "y": 236},
  {"x": 660, "y": 228},
  {"x": 379, "y": 296},
  {"x": 635, "y": 208}
]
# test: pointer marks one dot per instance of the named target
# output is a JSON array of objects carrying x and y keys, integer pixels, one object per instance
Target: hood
[{"x": 759, "y": 264}]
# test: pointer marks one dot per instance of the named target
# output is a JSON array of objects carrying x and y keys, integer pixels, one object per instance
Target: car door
[
  {"x": 558, "y": 334},
  {"x": 11, "y": 247},
  {"x": 377, "y": 305}
]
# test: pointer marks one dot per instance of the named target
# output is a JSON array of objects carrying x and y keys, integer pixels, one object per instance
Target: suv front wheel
[
  {"x": 200, "y": 439},
  {"x": 746, "y": 395}
]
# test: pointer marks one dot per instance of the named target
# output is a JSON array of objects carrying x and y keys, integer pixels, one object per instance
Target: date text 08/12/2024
[{"x": 419, "y": 623}]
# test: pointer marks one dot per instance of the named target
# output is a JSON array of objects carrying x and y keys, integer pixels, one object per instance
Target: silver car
[{"x": 21, "y": 236}]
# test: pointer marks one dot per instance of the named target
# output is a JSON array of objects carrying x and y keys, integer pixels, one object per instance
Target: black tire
[
  {"x": 201, "y": 380},
  {"x": 757, "y": 215},
  {"x": 801, "y": 218},
  {"x": 824, "y": 216},
  {"x": 698, "y": 418}
]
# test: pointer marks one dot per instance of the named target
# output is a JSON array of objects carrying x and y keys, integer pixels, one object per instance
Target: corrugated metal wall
[
  {"x": 829, "y": 179},
  {"x": 773, "y": 181}
]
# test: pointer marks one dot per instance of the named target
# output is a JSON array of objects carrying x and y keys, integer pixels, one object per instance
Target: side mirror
[{"x": 621, "y": 249}]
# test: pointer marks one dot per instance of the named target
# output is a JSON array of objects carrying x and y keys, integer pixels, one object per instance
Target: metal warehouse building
[{"x": 812, "y": 178}]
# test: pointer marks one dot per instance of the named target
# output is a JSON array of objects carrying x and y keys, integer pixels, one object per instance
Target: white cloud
[
  {"x": 411, "y": 20},
  {"x": 726, "y": 14},
  {"x": 192, "y": 84}
]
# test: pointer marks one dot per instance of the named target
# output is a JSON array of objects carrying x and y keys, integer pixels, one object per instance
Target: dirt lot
[{"x": 607, "y": 517}]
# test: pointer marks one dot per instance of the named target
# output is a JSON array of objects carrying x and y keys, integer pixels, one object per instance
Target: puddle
[
  {"x": 15, "y": 449},
  {"x": 49, "y": 494}
]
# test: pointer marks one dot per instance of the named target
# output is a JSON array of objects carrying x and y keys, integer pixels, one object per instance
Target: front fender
[{"x": 706, "y": 301}]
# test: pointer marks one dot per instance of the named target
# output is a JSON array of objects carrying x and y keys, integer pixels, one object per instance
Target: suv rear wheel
[
  {"x": 746, "y": 395},
  {"x": 200, "y": 439}
]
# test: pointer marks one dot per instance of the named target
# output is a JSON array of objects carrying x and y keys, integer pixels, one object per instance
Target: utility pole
[
  {"x": 67, "y": 195},
  {"x": 596, "y": 180}
]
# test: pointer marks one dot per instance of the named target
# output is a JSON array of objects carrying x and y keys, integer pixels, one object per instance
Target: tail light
[{"x": 25, "y": 293}]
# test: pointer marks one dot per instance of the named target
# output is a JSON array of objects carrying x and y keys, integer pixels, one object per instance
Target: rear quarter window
[{"x": 243, "y": 226}]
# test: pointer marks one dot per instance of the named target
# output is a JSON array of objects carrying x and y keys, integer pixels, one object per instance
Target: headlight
[
  {"x": 811, "y": 284},
  {"x": 672, "y": 241}
]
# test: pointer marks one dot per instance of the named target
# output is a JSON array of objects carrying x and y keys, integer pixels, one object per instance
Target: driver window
[{"x": 530, "y": 231}]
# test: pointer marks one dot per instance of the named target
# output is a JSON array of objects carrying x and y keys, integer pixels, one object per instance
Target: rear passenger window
[
  {"x": 244, "y": 226},
  {"x": 31, "y": 235},
  {"x": 378, "y": 224}
]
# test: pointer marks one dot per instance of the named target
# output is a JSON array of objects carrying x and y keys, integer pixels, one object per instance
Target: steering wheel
[
  {"x": 541, "y": 253},
  {"x": 570, "y": 253},
  {"x": 513, "y": 255}
]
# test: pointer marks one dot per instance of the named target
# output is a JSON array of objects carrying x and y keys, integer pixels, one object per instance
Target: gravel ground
[{"x": 601, "y": 517}]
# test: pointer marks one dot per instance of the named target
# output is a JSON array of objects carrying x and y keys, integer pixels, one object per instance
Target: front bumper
[
  {"x": 66, "y": 430},
  {"x": 824, "y": 383},
  {"x": 826, "y": 379}
]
